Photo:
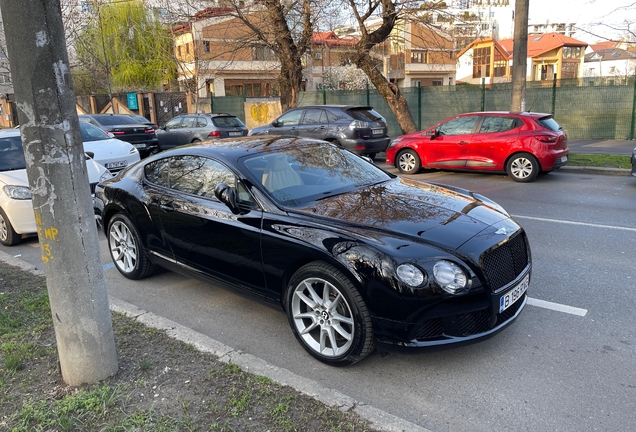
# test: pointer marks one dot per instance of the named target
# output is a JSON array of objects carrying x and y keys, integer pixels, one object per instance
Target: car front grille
[{"x": 505, "y": 263}]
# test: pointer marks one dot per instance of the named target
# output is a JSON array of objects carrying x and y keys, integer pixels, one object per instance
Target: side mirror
[
  {"x": 90, "y": 155},
  {"x": 225, "y": 194},
  {"x": 275, "y": 123},
  {"x": 435, "y": 133}
]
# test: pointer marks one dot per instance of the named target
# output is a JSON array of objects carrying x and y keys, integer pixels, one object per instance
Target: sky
[{"x": 586, "y": 14}]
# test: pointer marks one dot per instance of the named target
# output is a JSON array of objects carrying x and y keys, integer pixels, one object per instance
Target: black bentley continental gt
[{"x": 357, "y": 257}]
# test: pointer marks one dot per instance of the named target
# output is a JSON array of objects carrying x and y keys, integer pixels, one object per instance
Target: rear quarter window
[
  {"x": 549, "y": 123},
  {"x": 227, "y": 122},
  {"x": 364, "y": 115}
]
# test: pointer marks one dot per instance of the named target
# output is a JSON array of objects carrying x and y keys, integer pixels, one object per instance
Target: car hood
[
  {"x": 14, "y": 178},
  {"x": 402, "y": 208}
]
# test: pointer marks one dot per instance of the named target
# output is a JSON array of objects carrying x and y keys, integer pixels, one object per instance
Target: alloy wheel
[{"x": 122, "y": 247}]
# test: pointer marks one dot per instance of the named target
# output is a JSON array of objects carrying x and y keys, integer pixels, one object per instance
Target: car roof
[
  {"x": 516, "y": 113},
  {"x": 343, "y": 107}
]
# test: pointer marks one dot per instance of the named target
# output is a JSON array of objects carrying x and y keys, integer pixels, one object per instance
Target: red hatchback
[{"x": 519, "y": 144}]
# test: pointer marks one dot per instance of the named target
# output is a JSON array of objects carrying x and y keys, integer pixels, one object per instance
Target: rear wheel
[
  {"x": 8, "y": 236},
  {"x": 523, "y": 167},
  {"x": 408, "y": 162},
  {"x": 328, "y": 315},
  {"x": 126, "y": 249},
  {"x": 372, "y": 155}
]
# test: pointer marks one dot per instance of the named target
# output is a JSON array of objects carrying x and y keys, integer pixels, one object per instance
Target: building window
[
  {"x": 499, "y": 65},
  {"x": 262, "y": 53},
  {"x": 419, "y": 57},
  {"x": 180, "y": 51},
  {"x": 206, "y": 46},
  {"x": 570, "y": 70},
  {"x": 5, "y": 78},
  {"x": 571, "y": 52},
  {"x": 481, "y": 62},
  {"x": 437, "y": 82}
]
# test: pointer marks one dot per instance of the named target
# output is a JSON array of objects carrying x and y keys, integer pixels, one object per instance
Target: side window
[
  {"x": 331, "y": 117},
  {"x": 201, "y": 122},
  {"x": 157, "y": 172},
  {"x": 458, "y": 126},
  {"x": 314, "y": 116},
  {"x": 174, "y": 123},
  {"x": 291, "y": 118},
  {"x": 189, "y": 122},
  {"x": 497, "y": 124}
]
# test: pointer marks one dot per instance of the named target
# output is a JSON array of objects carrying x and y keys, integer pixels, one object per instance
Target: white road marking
[
  {"x": 575, "y": 223},
  {"x": 557, "y": 307}
]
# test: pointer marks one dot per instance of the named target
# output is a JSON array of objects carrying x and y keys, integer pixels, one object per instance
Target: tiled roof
[
  {"x": 537, "y": 44},
  {"x": 609, "y": 54},
  {"x": 331, "y": 39}
]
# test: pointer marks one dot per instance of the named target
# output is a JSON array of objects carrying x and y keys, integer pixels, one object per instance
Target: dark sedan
[
  {"x": 357, "y": 257},
  {"x": 126, "y": 128}
]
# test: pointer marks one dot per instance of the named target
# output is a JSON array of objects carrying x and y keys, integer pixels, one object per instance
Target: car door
[
  {"x": 314, "y": 124},
  {"x": 204, "y": 235},
  {"x": 491, "y": 145},
  {"x": 167, "y": 135},
  {"x": 287, "y": 124},
  {"x": 187, "y": 131},
  {"x": 447, "y": 147}
]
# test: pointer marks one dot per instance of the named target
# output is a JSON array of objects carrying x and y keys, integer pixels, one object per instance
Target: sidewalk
[{"x": 612, "y": 147}]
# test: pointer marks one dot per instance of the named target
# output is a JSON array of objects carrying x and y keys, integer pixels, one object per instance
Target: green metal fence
[{"x": 586, "y": 108}]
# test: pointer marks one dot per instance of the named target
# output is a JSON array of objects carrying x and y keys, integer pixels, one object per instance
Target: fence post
[
  {"x": 211, "y": 103},
  {"x": 368, "y": 96},
  {"x": 483, "y": 94},
  {"x": 419, "y": 105},
  {"x": 554, "y": 93},
  {"x": 324, "y": 95},
  {"x": 631, "y": 130}
]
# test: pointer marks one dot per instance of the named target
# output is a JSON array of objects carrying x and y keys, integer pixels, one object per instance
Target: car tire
[
  {"x": 126, "y": 249},
  {"x": 196, "y": 140},
  {"x": 523, "y": 167},
  {"x": 8, "y": 236},
  {"x": 372, "y": 155},
  {"x": 408, "y": 162},
  {"x": 338, "y": 333}
]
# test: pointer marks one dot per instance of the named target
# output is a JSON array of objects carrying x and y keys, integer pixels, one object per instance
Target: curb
[
  {"x": 595, "y": 170},
  {"x": 377, "y": 418}
]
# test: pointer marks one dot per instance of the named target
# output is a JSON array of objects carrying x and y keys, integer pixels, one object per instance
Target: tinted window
[
  {"x": 290, "y": 118},
  {"x": 458, "y": 126},
  {"x": 364, "y": 114},
  {"x": 92, "y": 133},
  {"x": 115, "y": 120},
  {"x": 157, "y": 172},
  {"x": 497, "y": 124},
  {"x": 174, "y": 123},
  {"x": 227, "y": 122},
  {"x": 11, "y": 154},
  {"x": 331, "y": 117},
  {"x": 549, "y": 123},
  {"x": 313, "y": 116}
]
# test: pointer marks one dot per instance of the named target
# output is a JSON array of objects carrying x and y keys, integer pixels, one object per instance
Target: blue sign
[{"x": 132, "y": 101}]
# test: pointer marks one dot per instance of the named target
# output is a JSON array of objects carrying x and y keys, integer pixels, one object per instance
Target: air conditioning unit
[{"x": 318, "y": 56}]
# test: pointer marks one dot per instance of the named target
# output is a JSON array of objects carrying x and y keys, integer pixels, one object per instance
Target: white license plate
[
  {"x": 377, "y": 131},
  {"x": 564, "y": 158},
  {"x": 119, "y": 164},
  {"x": 235, "y": 133},
  {"x": 509, "y": 298},
  {"x": 140, "y": 145}
]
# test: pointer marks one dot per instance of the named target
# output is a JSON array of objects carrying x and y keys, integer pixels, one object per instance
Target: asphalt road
[{"x": 567, "y": 364}]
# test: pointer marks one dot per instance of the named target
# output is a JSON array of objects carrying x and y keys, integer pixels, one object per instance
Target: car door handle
[
  {"x": 462, "y": 142},
  {"x": 166, "y": 207}
]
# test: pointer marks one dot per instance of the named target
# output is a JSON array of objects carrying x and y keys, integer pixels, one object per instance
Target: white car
[
  {"x": 16, "y": 207},
  {"x": 114, "y": 154}
]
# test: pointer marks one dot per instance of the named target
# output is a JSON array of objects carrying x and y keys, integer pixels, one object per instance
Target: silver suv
[
  {"x": 190, "y": 128},
  {"x": 355, "y": 127}
]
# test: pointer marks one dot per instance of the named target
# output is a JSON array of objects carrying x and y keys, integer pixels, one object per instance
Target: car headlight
[
  {"x": 411, "y": 275},
  {"x": 17, "y": 192},
  {"x": 394, "y": 142},
  {"x": 450, "y": 277},
  {"x": 105, "y": 176},
  {"x": 134, "y": 150}
]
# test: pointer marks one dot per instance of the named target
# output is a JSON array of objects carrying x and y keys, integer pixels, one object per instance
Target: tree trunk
[
  {"x": 61, "y": 197},
  {"x": 390, "y": 92}
]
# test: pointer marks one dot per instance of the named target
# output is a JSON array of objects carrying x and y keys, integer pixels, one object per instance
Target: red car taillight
[
  {"x": 149, "y": 131},
  {"x": 550, "y": 139},
  {"x": 214, "y": 134},
  {"x": 118, "y": 133}
]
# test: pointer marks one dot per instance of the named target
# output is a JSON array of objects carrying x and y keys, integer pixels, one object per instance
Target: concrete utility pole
[
  {"x": 59, "y": 186},
  {"x": 519, "y": 56}
]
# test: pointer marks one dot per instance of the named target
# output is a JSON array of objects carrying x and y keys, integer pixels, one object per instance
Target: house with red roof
[{"x": 548, "y": 54}]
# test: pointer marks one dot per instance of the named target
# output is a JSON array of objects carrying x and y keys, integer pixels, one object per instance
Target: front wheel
[
  {"x": 8, "y": 236},
  {"x": 523, "y": 167},
  {"x": 408, "y": 162},
  {"x": 328, "y": 315},
  {"x": 126, "y": 249}
]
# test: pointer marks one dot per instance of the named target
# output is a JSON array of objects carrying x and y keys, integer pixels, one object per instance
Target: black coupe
[{"x": 357, "y": 257}]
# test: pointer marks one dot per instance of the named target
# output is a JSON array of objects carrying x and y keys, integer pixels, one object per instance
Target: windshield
[
  {"x": 92, "y": 133},
  {"x": 298, "y": 175},
  {"x": 11, "y": 153}
]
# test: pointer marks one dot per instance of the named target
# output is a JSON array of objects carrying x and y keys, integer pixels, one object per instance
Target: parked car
[
  {"x": 143, "y": 120},
  {"x": 113, "y": 153},
  {"x": 191, "y": 128},
  {"x": 357, "y": 257},
  {"x": 519, "y": 144},
  {"x": 16, "y": 208},
  {"x": 125, "y": 128},
  {"x": 356, "y": 128},
  {"x": 634, "y": 162}
]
